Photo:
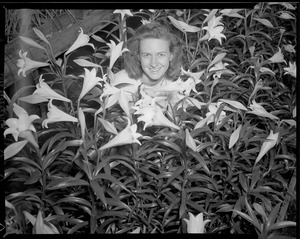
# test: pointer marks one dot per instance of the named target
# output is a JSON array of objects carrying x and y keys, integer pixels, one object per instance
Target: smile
[{"x": 155, "y": 70}]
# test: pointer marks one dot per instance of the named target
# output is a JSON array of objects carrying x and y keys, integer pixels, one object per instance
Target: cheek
[{"x": 144, "y": 62}]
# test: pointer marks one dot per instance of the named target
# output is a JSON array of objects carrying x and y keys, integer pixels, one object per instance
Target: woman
[{"x": 153, "y": 61}]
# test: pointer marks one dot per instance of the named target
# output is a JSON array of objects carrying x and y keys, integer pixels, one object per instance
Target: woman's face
[{"x": 155, "y": 59}]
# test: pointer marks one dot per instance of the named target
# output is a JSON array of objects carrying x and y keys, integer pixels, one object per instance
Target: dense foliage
[{"x": 90, "y": 165}]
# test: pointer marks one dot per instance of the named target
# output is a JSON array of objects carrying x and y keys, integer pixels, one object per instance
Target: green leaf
[
  {"x": 210, "y": 15},
  {"x": 149, "y": 172},
  {"x": 41, "y": 35},
  {"x": 248, "y": 218},
  {"x": 218, "y": 58},
  {"x": 77, "y": 227},
  {"x": 75, "y": 200},
  {"x": 34, "y": 177},
  {"x": 273, "y": 215},
  {"x": 234, "y": 136},
  {"x": 264, "y": 22},
  {"x": 252, "y": 215},
  {"x": 31, "y": 218},
  {"x": 108, "y": 126},
  {"x": 260, "y": 210},
  {"x": 234, "y": 103},
  {"x": 31, "y": 42},
  {"x": 111, "y": 179},
  {"x": 200, "y": 160},
  {"x": 182, "y": 208},
  {"x": 14, "y": 148},
  {"x": 98, "y": 190},
  {"x": 175, "y": 174},
  {"x": 280, "y": 225},
  {"x": 170, "y": 145},
  {"x": 66, "y": 182}
]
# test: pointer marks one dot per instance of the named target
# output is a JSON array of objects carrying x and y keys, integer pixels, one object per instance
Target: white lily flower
[
  {"x": 259, "y": 110},
  {"x": 26, "y": 63},
  {"x": 277, "y": 57},
  {"x": 116, "y": 95},
  {"x": 23, "y": 123},
  {"x": 57, "y": 115},
  {"x": 89, "y": 82},
  {"x": 123, "y": 13},
  {"x": 291, "y": 70},
  {"x": 213, "y": 108},
  {"x": 214, "y": 28},
  {"x": 196, "y": 224},
  {"x": 290, "y": 48},
  {"x": 45, "y": 91},
  {"x": 126, "y": 136},
  {"x": 220, "y": 68},
  {"x": 270, "y": 142},
  {"x": 153, "y": 115},
  {"x": 115, "y": 52},
  {"x": 82, "y": 40}
]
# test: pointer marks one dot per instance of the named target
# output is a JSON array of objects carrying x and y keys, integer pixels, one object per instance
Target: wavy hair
[{"x": 157, "y": 31}]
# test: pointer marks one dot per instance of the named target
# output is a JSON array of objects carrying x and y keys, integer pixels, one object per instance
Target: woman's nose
[{"x": 153, "y": 61}]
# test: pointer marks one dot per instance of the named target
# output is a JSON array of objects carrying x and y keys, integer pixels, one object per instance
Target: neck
[{"x": 149, "y": 82}]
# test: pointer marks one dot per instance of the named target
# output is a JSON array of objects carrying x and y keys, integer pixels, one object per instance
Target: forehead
[{"x": 154, "y": 45}]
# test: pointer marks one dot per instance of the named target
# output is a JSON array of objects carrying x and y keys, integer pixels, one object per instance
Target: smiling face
[{"x": 155, "y": 57}]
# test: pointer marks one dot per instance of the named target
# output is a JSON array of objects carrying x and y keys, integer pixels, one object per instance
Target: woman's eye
[
  {"x": 146, "y": 55},
  {"x": 161, "y": 54}
]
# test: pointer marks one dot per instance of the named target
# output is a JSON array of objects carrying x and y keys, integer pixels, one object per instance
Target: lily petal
[
  {"x": 126, "y": 136},
  {"x": 82, "y": 40},
  {"x": 56, "y": 115},
  {"x": 45, "y": 91},
  {"x": 270, "y": 142}
]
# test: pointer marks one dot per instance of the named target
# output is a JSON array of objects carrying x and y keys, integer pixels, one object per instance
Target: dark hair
[{"x": 157, "y": 31}]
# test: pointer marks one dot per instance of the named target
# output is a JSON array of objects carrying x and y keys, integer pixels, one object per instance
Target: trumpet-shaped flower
[
  {"x": 270, "y": 142},
  {"x": 214, "y": 28},
  {"x": 23, "y": 123},
  {"x": 46, "y": 92},
  {"x": 220, "y": 68},
  {"x": 182, "y": 26},
  {"x": 290, "y": 48},
  {"x": 57, "y": 115},
  {"x": 126, "y": 136},
  {"x": 259, "y": 110},
  {"x": 213, "y": 108},
  {"x": 116, "y": 95},
  {"x": 277, "y": 57},
  {"x": 123, "y": 13},
  {"x": 153, "y": 115},
  {"x": 82, "y": 40},
  {"x": 291, "y": 70},
  {"x": 191, "y": 82},
  {"x": 196, "y": 224},
  {"x": 40, "y": 225},
  {"x": 26, "y": 63},
  {"x": 115, "y": 52},
  {"x": 89, "y": 82},
  {"x": 211, "y": 114}
]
